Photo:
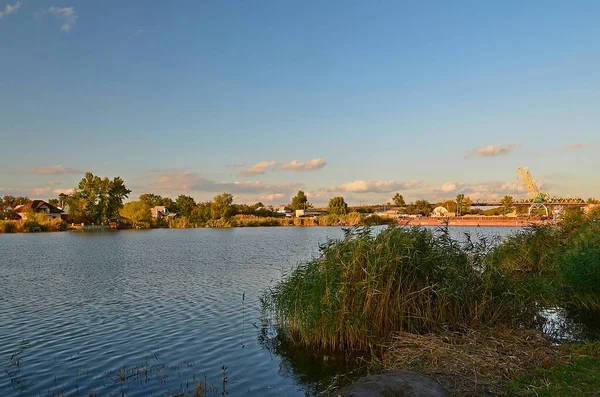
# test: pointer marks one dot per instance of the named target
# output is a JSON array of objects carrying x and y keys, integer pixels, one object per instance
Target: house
[
  {"x": 283, "y": 209},
  {"x": 387, "y": 212},
  {"x": 161, "y": 212},
  {"x": 310, "y": 212},
  {"x": 40, "y": 206}
]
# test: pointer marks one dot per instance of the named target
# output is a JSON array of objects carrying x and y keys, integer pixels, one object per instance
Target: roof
[{"x": 36, "y": 205}]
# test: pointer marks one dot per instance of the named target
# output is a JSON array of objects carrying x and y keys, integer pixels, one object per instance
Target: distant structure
[
  {"x": 539, "y": 198},
  {"x": 162, "y": 212},
  {"x": 40, "y": 206}
]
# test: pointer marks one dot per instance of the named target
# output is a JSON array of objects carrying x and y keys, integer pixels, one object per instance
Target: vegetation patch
[
  {"x": 574, "y": 372},
  {"x": 471, "y": 363},
  {"x": 367, "y": 286}
]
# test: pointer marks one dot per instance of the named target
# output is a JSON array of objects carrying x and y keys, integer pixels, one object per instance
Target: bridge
[{"x": 558, "y": 201}]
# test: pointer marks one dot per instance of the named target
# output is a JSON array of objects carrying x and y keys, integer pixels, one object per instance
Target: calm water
[{"x": 148, "y": 312}]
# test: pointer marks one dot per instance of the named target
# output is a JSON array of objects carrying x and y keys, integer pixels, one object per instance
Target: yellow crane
[{"x": 536, "y": 194}]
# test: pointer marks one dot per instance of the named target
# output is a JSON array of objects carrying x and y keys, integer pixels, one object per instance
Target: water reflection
[{"x": 318, "y": 371}]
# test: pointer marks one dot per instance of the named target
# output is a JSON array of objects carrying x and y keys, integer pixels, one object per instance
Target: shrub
[{"x": 8, "y": 226}]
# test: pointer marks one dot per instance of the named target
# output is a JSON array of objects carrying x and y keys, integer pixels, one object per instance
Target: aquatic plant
[{"x": 368, "y": 285}]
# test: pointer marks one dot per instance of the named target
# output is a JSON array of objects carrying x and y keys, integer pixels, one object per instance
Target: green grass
[{"x": 575, "y": 374}]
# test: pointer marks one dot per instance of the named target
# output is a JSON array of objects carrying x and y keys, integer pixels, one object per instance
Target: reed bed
[
  {"x": 366, "y": 286},
  {"x": 45, "y": 225}
]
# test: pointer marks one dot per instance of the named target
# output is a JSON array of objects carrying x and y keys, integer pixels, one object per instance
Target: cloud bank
[{"x": 369, "y": 186}]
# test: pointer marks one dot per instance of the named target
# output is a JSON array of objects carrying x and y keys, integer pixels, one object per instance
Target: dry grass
[{"x": 472, "y": 363}]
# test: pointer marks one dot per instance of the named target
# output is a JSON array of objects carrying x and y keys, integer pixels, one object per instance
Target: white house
[
  {"x": 160, "y": 212},
  {"x": 39, "y": 206}
]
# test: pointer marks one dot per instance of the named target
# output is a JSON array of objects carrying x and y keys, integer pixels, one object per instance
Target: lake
[{"x": 148, "y": 313}]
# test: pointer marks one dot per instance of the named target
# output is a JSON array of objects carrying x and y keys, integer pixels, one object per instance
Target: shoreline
[
  {"x": 470, "y": 221},
  {"x": 474, "y": 221}
]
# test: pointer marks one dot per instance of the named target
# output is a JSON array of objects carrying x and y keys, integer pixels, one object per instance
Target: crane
[{"x": 536, "y": 194}]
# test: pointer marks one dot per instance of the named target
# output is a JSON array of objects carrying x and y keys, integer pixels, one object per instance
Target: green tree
[
  {"x": 101, "y": 197},
  {"x": 337, "y": 206},
  {"x": 54, "y": 202},
  {"x": 155, "y": 200},
  {"x": 185, "y": 205},
  {"x": 221, "y": 206},
  {"x": 137, "y": 212},
  {"x": 507, "y": 204},
  {"x": 12, "y": 202},
  {"x": 460, "y": 201},
  {"x": 467, "y": 205},
  {"x": 423, "y": 207},
  {"x": 399, "y": 200},
  {"x": 201, "y": 213},
  {"x": 300, "y": 201}
]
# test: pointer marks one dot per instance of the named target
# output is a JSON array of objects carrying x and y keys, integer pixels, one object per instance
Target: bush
[
  {"x": 8, "y": 226},
  {"x": 578, "y": 267}
]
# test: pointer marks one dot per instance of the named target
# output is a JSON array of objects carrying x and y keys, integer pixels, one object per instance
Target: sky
[{"x": 360, "y": 99}]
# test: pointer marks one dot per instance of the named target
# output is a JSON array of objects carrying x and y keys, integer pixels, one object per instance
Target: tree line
[{"x": 99, "y": 199}]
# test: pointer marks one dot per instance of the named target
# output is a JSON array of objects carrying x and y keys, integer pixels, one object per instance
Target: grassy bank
[
  {"x": 421, "y": 294},
  {"x": 55, "y": 225}
]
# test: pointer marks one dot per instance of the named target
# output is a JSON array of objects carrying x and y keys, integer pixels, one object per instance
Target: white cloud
[
  {"x": 70, "y": 190},
  {"x": 54, "y": 170},
  {"x": 258, "y": 169},
  {"x": 449, "y": 187},
  {"x": 10, "y": 9},
  {"x": 66, "y": 15},
  {"x": 368, "y": 186},
  {"x": 492, "y": 150},
  {"x": 239, "y": 164},
  {"x": 302, "y": 166},
  {"x": 270, "y": 198},
  {"x": 40, "y": 191},
  {"x": 187, "y": 182}
]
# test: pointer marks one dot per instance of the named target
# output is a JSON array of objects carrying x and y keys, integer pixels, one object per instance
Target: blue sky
[{"x": 262, "y": 98}]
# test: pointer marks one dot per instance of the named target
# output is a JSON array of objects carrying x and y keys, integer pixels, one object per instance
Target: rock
[{"x": 394, "y": 384}]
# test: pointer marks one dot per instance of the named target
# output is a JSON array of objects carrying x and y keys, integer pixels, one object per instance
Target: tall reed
[{"x": 366, "y": 286}]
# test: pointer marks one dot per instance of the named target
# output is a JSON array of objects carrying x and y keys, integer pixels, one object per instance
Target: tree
[
  {"x": 185, "y": 205},
  {"x": 423, "y": 207},
  {"x": 12, "y": 202},
  {"x": 507, "y": 204},
  {"x": 460, "y": 201},
  {"x": 467, "y": 205},
  {"x": 337, "y": 206},
  {"x": 155, "y": 200},
  {"x": 300, "y": 201},
  {"x": 398, "y": 200},
  {"x": 101, "y": 197},
  {"x": 54, "y": 202},
  {"x": 136, "y": 212},
  {"x": 449, "y": 204},
  {"x": 201, "y": 213},
  {"x": 221, "y": 206}
]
